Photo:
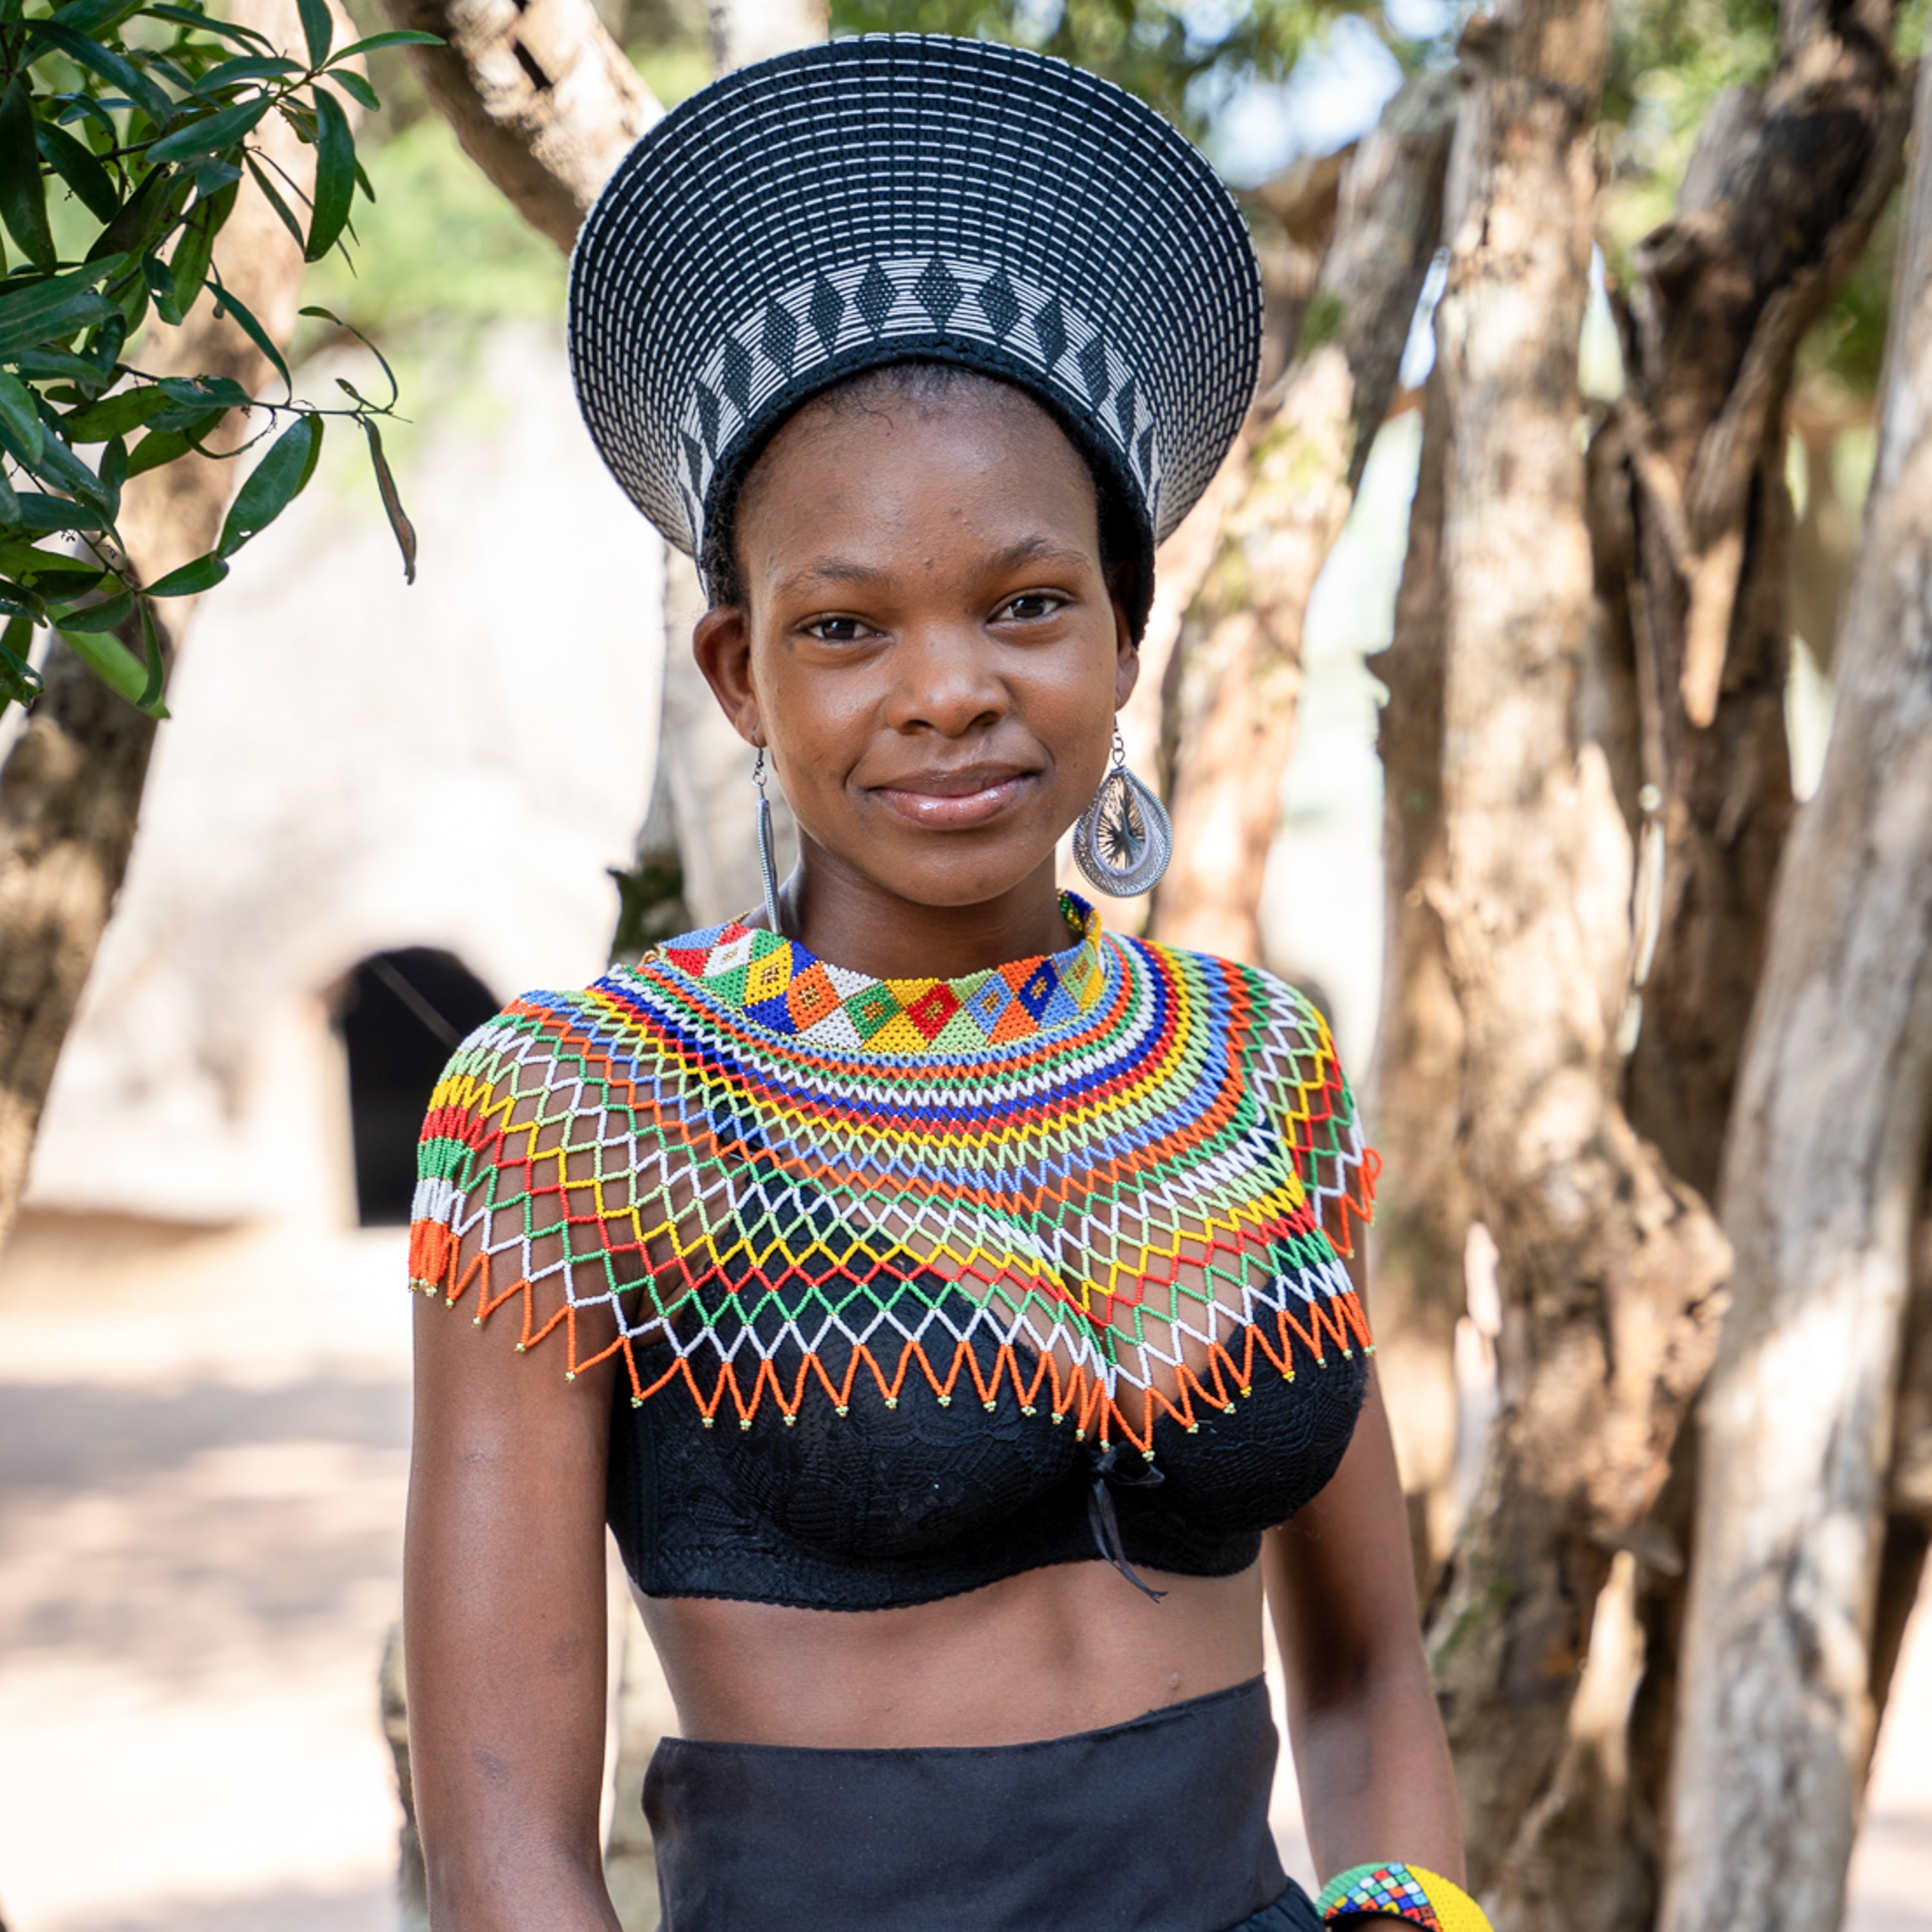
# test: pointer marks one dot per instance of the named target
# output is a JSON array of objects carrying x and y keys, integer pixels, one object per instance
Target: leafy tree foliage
[{"x": 125, "y": 133}]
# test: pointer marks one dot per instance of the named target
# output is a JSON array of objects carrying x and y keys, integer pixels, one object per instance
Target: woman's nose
[{"x": 945, "y": 681}]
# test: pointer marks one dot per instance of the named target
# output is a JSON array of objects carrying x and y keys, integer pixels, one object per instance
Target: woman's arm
[
  {"x": 504, "y": 1619},
  {"x": 1370, "y": 1751}
]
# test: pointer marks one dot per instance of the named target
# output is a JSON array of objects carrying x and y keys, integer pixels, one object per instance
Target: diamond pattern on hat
[
  {"x": 780, "y": 338},
  {"x": 937, "y": 292},
  {"x": 737, "y": 374},
  {"x": 875, "y": 298},
  {"x": 998, "y": 304},
  {"x": 828, "y": 312},
  {"x": 1050, "y": 332},
  {"x": 1093, "y": 369}
]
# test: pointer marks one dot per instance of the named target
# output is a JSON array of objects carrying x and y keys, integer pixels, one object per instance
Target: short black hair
[{"x": 919, "y": 380}]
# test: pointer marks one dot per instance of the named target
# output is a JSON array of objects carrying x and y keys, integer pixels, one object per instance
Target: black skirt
[{"x": 1159, "y": 1824}]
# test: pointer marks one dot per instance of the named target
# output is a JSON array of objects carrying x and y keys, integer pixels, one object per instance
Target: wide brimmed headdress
[{"x": 903, "y": 197}]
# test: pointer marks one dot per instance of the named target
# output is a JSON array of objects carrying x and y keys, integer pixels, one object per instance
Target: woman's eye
[
  {"x": 1030, "y": 607},
  {"x": 837, "y": 630}
]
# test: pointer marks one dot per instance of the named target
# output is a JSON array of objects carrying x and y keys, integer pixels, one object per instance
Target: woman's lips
[{"x": 955, "y": 801}]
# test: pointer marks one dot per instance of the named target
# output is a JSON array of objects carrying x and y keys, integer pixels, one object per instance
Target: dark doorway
[{"x": 401, "y": 1015}]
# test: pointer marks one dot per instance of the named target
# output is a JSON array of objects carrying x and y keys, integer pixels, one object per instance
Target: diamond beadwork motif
[
  {"x": 773, "y": 1180},
  {"x": 774, "y": 349}
]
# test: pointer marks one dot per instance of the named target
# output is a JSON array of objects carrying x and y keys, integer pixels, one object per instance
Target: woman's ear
[
  {"x": 1126, "y": 661},
  {"x": 1127, "y": 650},
  {"x": 722, "y": 644}
]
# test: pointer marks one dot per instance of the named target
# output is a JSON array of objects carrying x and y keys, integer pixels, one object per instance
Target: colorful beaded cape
[{"x": 1112, "y": 1182}]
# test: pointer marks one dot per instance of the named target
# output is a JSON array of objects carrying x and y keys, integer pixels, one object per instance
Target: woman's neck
[{"x": 855, "y": 922}]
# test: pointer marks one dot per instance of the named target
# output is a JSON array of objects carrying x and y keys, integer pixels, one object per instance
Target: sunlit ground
[{"x": 203, "y": 1448}]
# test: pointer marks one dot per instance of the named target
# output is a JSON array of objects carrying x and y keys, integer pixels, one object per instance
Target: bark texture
[
  {"x": 1607, "y": 1267},
  {"x": 70, "y": 788},
  {"x": 1821, "y": 1186},
  {"x": 541, "y": 97},
  {"x": 1776, "y": 205},
  {"x": 1424, "y": 1204},
  {"x": 1231, "y": 686}
]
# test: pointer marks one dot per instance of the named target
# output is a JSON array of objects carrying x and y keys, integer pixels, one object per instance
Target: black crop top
[{"x": 918, "y": 1284}]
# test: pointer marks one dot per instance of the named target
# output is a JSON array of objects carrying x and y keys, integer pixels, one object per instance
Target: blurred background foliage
[{"x": 1261, "y": 84}]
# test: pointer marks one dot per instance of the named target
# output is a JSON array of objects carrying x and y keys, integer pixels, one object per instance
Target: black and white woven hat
[{"x": 909, "y": 197}]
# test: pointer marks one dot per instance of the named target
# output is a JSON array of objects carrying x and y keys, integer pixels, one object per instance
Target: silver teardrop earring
[
  {"x": 1124, "y": 839},
  {"x": 768, "y": 864}
]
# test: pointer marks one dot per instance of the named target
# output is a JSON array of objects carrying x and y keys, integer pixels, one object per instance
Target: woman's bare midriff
[{"x": 1043, "y": 1655}]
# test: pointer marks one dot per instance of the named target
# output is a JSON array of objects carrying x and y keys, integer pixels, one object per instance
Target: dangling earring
[
  {"x": 768, "y": 865},
  {"x": 1125, "y": 838}
]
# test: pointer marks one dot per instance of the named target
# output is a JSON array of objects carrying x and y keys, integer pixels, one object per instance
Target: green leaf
[
  {"x": 150, "y": 699},
  {"x": 20, "y": 418},
  {"x": 19, "y": 680},
  {"x": 274, "y": 484},
  {"x": 51, "y": 365},
  {"x": 196, "y": 249},
  {"x": 213, "y": 175},
  {"x": 114, "y": 415},
  {"x": 93, "y": 186},
  {"x": 17, "y": 601},
  {"x": 334, "y": 175},
  {"x": 206, "y": 391},
  {"x": 39, "y": 512},
  {"x": 114, "y": 470},
  {"x": 58, "y": 464},
  {"x": 132, "y": 230},
  {"x": 395, "y": 37},
  {"x": 105, "y": 353},
  {"x": 353, "y": 84},
  {"x": 272, "y": 195},
  {"x": 203, "y": 573},
  {"x": 96, "y": 617},
  {"x": 392, "y": 502},
  {"x": 9, "y": 501},
  {"x": 213, "y": 133},
  {"x": 227, "y": 303},
  {"x": 63, "y": 586},
  {"x": 94, "y": 18},
  {"x": 49, "y": 311},
  {"x": 157, "y": 447},
  {"x": 245, "y": 67},
  {"x": 110, "y": 661},
  {"x": 110, "y": 66},
  {"x": 318, "y": 29},
  {"x": 23, "y": 189},
  {"x": 186, "y": 16}
]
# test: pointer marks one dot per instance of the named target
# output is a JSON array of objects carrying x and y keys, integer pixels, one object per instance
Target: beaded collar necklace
[{"x": 778, "y": 983}]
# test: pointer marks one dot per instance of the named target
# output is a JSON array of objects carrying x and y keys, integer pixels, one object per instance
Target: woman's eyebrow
[
  {"x": 1035, "y": 550},
  {"x": 832, "y": 570}
]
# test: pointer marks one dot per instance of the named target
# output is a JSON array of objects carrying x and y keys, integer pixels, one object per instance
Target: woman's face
[{"x": 927, "y": 646}]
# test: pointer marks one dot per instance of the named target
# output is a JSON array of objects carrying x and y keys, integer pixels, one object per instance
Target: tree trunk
[
  {"x": 70, "y": 788},
  {"x": 1231, "y": 686},
  {"x": 1821, "y": 1183},
  {"x": 1607, "y": 1267},
  {"x": 1776, "y": 206},
  {"x": 541, "y": 97},
  {"x": 1424, "y": 1206}
]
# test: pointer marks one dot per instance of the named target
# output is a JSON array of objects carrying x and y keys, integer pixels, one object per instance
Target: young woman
[{"x": 941, "y": 1298}]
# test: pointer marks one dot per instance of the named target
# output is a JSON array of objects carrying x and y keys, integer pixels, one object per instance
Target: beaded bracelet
[{"x": 1422, "y": 1897}]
